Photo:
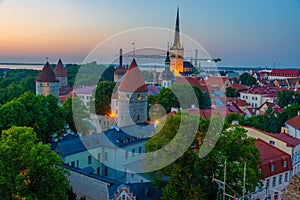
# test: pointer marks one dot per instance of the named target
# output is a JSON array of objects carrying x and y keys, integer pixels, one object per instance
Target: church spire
[{"x": 176, "y": 44}]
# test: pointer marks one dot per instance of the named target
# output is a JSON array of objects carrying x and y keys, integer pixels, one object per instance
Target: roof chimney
[{"x": 121, "y": 58}]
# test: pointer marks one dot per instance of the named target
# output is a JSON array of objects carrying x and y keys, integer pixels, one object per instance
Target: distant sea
[{"x": 39, "y": 66}]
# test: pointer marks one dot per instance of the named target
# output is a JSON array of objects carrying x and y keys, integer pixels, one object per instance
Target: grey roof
[
  {"x": 114, "y": 138},
  {"x": 69, "y": 147},
  {"x": 167, "y": 75}
]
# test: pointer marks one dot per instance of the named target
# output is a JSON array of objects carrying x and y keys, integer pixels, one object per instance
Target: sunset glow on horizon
[{"x": 241, "y": 33}]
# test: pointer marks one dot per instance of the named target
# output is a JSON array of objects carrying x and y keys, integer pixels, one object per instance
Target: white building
[
  {"x": 85, "y": 94},
  {"x": 256, "y": 96},
  {"x": 293, "y": 126}
]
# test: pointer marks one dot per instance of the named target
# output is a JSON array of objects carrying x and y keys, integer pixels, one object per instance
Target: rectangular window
[
  {"x": 126, "y": 154},
  {"x": 133, "y": 151},
  {"x": 89, "y": 160},
  {"x": 98, "y": 170},
  {"x": 280, "y": 179},
  {"x": 140, "y": 149},
  {"x": 77, "y": 163},
  {"x": 139, "y": 96},
  {"x": 272, "y": 168},
  {"x": 105, "y": 156},
  {"x": 285, "y": 164},
  {"x": 73, "y": 163},
  {"x": 105, "y": 171},
  {"x": 274, "y": 181},
  {"x": 99, "y": 156},
  {"x": 286, "y": 177}
]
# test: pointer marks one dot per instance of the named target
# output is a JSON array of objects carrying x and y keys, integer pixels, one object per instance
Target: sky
[{"x": 241, "y": 33}]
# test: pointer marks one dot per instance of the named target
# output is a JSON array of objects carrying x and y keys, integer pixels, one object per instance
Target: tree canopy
[
  {"x": 102, "y": 97},
  {"x": 287, "y": 97},
  {"x": 190, "y": 177},
  {"x": 270, "y": 121},
  {"x": 246, "y": 79},
  {"x": 39, "y": 112},
  {"x": 183, "y": 98},
  {"x": 29, "y": 169}
]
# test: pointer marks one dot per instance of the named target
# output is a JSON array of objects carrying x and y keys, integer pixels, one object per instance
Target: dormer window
[
  {"x": 272, "y": 167},
  {"x": 271, "y": 142},
  {"x": 284, "y": 163}
]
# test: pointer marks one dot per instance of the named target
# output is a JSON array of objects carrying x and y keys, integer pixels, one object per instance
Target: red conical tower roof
[
  {"x": 120, "y": 71},
  {"x": 47, "y": 74},
  {"x": 133, "y": 80},
  {"x": 60, "y": 70}
]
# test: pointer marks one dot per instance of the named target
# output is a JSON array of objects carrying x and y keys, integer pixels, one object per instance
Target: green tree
[
  {"x": 180, "y": 96},
  {"x": 246, "y": 79},
  {"x": 39, "y": 112},
  {"x": 231, "y": 92},
  {"x": 102, "y": 97},
  {"x": 75, "y": 113},
  {"x": 287, "y": 97},
  {"x": 29, "y": 169},
  {"x": 191, "y": 175}
]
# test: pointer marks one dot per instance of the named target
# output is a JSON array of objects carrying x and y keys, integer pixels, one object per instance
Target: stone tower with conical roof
[
  {"x": 61, "y": 74},
  {"x": 166, "y": 77},
  {"x": 132, "y": 97},
  {"x": 46, "y": 82},
  {"x": 176, "y": 50}
]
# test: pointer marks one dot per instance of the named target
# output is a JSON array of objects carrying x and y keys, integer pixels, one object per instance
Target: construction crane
[{"x": 151, "y": 53}]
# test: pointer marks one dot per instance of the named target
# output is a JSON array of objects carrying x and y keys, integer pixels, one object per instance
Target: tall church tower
[
  {"x": 132, "y": 97},
  {"x": 46, "y": 82},
  {"x": 61, "y": 74},
  {"x": 176, "y": 50}
]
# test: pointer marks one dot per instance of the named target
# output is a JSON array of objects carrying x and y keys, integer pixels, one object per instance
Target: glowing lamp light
[{"x": 112, "y": 115}]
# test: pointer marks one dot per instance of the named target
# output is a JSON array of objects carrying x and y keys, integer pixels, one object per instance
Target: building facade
[{"x": 46, "y": 82}]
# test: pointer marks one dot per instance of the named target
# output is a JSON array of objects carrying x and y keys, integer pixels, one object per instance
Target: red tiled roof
[
  {"x": 289, "y": 140},
  {"x": 271, "y": 155},
  {"x": 192, "y": 81},
  {"x": 63, "y": 98},
  {"x": 60, "y": 70},
  {"x": 294, "y": 122},
  {"x": 47, "y": 74},
  {"x": 237, "y": 101},
  {"x": 260, "y": 90},
  {"x": 237, "y": 87},
  {"x": 285, "y": 73},
  {"x": 133, "y": 80}
]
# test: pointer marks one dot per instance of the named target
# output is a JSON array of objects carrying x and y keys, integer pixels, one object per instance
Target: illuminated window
[
  {"x": 127, "y": 96},
  {"x": 139, "y": 96}
]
